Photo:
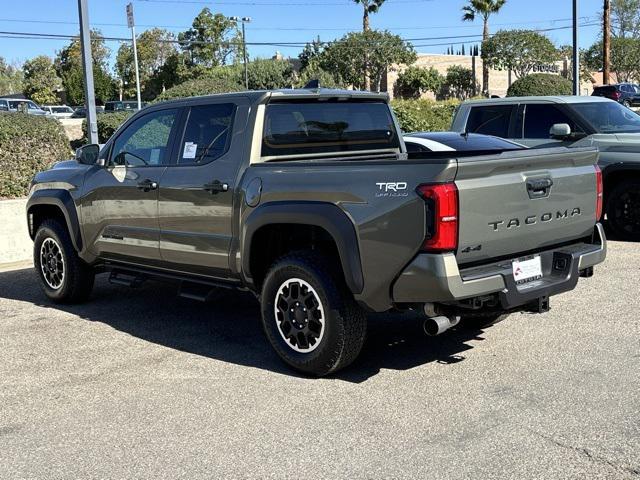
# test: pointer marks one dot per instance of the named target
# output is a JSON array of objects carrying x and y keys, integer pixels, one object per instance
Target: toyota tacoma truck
[
  {"x": 543, "y": 122},
  {"x": 308, "y": 199}
]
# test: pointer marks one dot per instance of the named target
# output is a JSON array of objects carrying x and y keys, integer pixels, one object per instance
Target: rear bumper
[{"x": 432, "y": 278}]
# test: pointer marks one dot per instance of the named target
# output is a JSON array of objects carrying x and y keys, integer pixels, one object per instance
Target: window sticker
[{"x": 189, "y": 150}]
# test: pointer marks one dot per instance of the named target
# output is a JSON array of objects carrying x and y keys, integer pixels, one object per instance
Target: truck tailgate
[{"x": 523, "y": 201}]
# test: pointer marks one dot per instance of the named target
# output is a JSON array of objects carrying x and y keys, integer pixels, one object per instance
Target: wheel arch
[
  {"x": 325, "y": 220},
  {"x": 48, "y": 203}
]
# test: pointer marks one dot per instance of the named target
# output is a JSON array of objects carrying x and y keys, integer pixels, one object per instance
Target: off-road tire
[
  {"x": 77, "y": 282},
  {"x": 624, "y": 226},
  {"x": 345, "y": 323}
]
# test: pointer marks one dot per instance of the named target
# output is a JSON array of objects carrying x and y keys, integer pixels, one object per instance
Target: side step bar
[{"x": 131, "y": 280}]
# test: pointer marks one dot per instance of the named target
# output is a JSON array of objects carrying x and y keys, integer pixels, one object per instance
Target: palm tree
[
  {"x": 484, "y": 9},
  {"x": 369, "y": 6}
]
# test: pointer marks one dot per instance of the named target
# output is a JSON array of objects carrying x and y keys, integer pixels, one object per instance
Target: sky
[{"x": 423, "y": 22}]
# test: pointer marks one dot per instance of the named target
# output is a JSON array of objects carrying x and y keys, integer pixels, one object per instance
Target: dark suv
[{"x": 627, "y": 94}]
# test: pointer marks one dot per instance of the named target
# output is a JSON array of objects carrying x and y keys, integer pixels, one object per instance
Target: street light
[
  {"x": 576, "y": 51},
  {"x": 244, "y": 47}
]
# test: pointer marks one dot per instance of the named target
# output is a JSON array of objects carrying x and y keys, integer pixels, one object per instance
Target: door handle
[
  {"x": 147, "y": 185},
  {"x": 216, "y": 187}
]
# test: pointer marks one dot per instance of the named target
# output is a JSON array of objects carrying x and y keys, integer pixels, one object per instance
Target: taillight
[
  {"x": 442, "y": 216},
  {"x": 616, "y": 95},
  {"x": 599, "y": 193}
]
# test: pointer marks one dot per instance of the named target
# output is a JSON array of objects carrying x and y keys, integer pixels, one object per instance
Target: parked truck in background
[
  {"x": 308, "y": 199},
  {"x": 543, "y": 122}
]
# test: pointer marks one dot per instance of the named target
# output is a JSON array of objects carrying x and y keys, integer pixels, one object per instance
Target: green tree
[
  {"x": 68, "y": 64},
  {"x": 375, "y": 52},
  {"x": 625, "y": 58},
  {"x": 415, "y": 81},
  {"x": 309, "y": 52},
  {"x": 314, "y": 71},
  {"x": 11, "y": 78},
  {"x": 540, "y": 84},
  {"x": 483, "y": 9},
  {"x": 212, "y": 40},
  {"x": 459, "y": 83},
  {"x": 625, "y": 18},
  {"x": 40, "y": 80},
  {"x": 154, "y": 50},
  {"x": 267, "y": 74},
  {"x": 518, "y": 50},
  {"x": 368, "y": 7}
]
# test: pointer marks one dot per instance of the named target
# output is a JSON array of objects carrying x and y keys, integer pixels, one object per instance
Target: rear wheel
[
  {"x": 64, "y": 277},
  {"x": 627, "y": 103},
  {"x": 623, "y": 210},
  {"x": 309, "y": 316}
]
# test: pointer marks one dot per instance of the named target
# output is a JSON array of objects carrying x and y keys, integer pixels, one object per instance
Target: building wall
[{"x": 499, "y": 80}]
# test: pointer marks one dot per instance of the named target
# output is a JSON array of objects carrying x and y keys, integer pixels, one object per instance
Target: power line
[
  {"x": 277, "y": 28},
  {"x": 451, "y": 39}
]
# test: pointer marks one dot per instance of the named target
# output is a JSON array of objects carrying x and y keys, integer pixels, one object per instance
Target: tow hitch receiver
[{"x": 541, "y": 305}]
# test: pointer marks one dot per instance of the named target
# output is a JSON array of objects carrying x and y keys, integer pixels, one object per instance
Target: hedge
[
  {"x": 28, "y": 144},
  {"x": 424, "y": 115},
  {"x": 107, "y": 124},
  {"x": 201, "y": 86},
  {"x": 540, "y": 84}
]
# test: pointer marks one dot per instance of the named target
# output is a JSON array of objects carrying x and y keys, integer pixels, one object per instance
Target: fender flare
[
  {"x": 63, "y": 200},
  {"x": 324, "y": 215}
]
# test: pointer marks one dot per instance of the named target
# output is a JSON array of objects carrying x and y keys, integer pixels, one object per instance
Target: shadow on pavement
[{"x": 229, "y": 329}]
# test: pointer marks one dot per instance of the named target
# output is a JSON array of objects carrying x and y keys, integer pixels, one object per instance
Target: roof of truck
[
  {"x": 256, "y": 95},
  {"x": 552, "y": 99}
]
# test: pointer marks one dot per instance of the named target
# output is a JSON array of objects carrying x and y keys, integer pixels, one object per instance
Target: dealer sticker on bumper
[{"x": 527, "y": 270}]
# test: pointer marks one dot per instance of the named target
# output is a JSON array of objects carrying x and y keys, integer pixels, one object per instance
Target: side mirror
[
  {"x": 560, "y": 131},
  {"x": 88, "y": 154}
]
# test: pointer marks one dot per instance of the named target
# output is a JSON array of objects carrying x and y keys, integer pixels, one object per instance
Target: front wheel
[
  {"x": 623, "y": 210},
  {"x": 309, "y": 316},
  {"x": 64, "y": 277}
]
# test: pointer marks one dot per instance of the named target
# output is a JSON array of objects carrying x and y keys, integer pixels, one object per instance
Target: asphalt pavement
[{"x": 142, "y": 384}]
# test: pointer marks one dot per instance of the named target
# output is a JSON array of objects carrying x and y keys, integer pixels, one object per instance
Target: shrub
[
  {"x": 202, "y": 86},
  {"x": 459, "y": 83},
  {"x": 28, "y": 144},
  {"x": 424, "y": 115},
  {"x": 415, "y": 81},
  {"x": 107, "y": 124},
  {"x": 267, "y": 74},
  {"x": 539, "y": 84}
]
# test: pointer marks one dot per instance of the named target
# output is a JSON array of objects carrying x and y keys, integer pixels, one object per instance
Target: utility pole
[
  {"x": 606, "y": 43},
  {"x": 244, "y": 47},
  {"x": 576, "y": 51},
  {"x": 87, "y": 64},
  {"x": 132, "y": 26}
]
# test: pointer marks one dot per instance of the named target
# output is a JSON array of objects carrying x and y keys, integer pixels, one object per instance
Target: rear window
[
  {"x": 490, "y": 120},
  {"x": 301, "y": 128},
  {"x": 604, "y": 90}
]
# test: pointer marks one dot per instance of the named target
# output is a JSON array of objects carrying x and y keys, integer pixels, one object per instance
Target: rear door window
[
  {"x": 539, "y": 118},
  {"x": 490, "y": 120},
  {"x": 207, "y": 133},
  {"x": 302, "y": 128}
]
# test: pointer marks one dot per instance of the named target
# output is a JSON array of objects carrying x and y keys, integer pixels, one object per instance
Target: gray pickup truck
[
  {"x": 308, "y": 199},
  {"x": 543, "y": 122}
]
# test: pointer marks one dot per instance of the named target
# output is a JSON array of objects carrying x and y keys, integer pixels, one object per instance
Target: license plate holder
[{"x": 527, "y": 270}]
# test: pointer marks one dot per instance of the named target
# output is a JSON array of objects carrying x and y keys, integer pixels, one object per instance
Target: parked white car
[{"x": 59, "y": 111}]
